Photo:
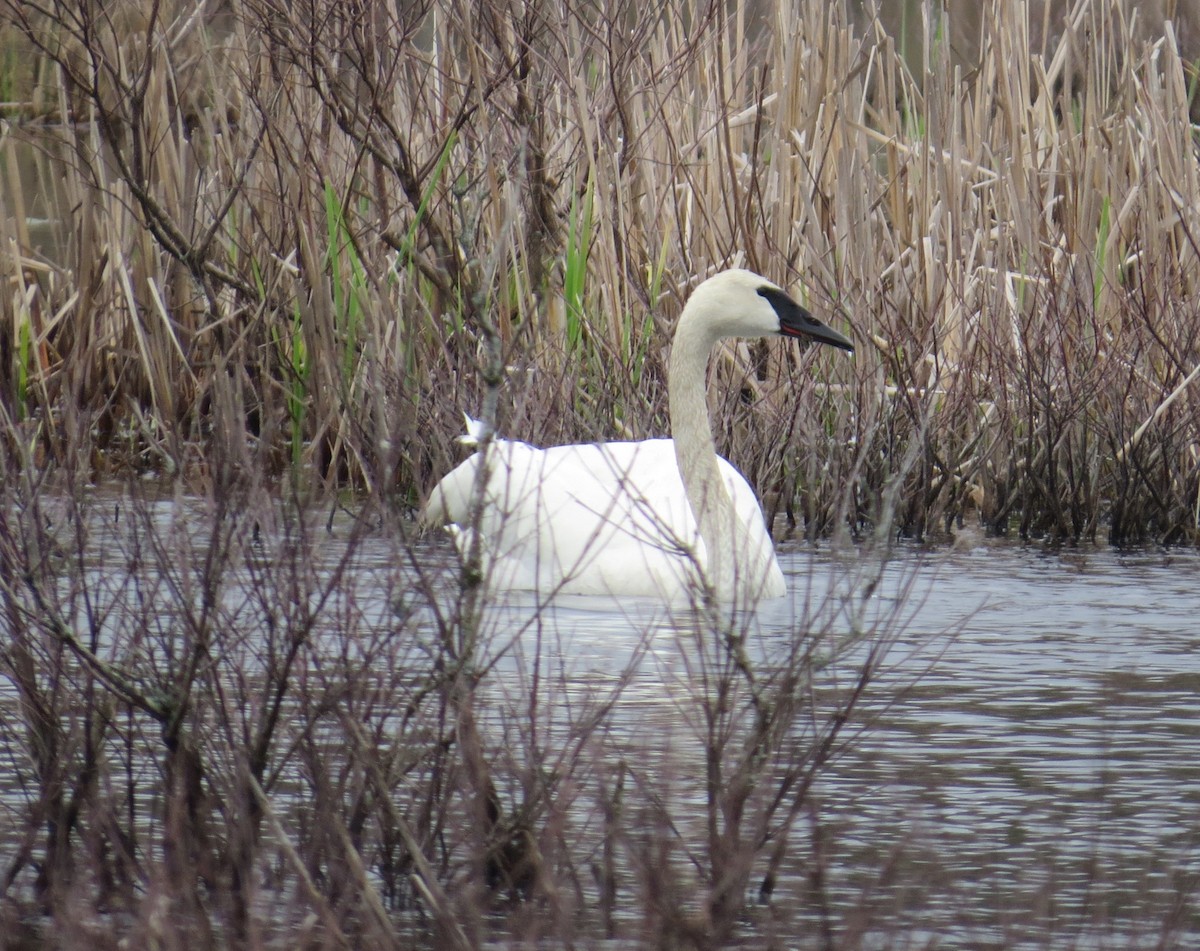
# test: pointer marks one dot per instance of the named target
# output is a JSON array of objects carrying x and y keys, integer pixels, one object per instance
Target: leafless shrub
[
  {"x": 286, "y": 206},
  {"x": 299, "y": 238}
]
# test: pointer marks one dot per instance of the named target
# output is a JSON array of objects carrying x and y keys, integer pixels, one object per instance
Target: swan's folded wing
[
  {"x": 510, "y": 468},
  {"x": 591, "y": 519},
  {"x": 588, "y": 518}
]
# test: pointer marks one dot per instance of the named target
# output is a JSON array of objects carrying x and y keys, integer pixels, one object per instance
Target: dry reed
[
  {"x": 297, "y": 239},
  {"x": 283, "y": 208}
]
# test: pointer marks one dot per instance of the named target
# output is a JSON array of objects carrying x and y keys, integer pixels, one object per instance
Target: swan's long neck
[{"x": 696, "y": 453}]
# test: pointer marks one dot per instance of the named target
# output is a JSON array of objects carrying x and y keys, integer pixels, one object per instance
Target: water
[
  {"x": 1021, "y": 772},
  {"x": 1046, "y": 761},
  {"x": 1024, "y": 770},
  {"x": 1025, "y": 767}
]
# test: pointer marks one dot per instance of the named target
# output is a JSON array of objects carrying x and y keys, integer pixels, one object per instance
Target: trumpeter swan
[{"x": 649, "y": 518}]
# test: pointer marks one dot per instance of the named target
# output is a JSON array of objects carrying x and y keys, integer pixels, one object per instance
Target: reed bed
[
  {"x": 314, "y": 216},
  {"x": 269, "y": 250}
]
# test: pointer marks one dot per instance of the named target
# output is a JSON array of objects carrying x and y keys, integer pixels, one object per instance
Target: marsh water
[
  {"x": 1023, "y": 771},
  {"x": 1026, "y": 770},
  {"x": 1044, "y": 767}
]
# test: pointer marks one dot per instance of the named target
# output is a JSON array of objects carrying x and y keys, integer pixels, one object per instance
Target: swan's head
[{"x": 740, "y": 303}]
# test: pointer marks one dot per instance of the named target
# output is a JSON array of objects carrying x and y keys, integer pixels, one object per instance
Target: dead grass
[
  {"x": 291, "y": 242},
  {"x": 284, "y": 209}
]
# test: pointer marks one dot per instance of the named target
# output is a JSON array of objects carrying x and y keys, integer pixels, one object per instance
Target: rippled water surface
[
  {"x": 1026, "y": 770},
  {"x": 1023, "y": 772},
  {"x": 1046, "y": 763}
]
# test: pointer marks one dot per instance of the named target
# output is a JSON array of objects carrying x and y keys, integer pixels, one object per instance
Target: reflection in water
[
  {"x": 1023, "y": 772},
  {"x": 1041, "y": 773}
]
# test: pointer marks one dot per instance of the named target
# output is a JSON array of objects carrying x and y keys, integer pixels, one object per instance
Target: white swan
[{"x": 637, "y": 518}]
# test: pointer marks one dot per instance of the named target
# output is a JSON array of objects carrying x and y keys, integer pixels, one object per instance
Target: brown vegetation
[
  {"x": 228, "y": 724},
  {"x": 293, "y": 241},
  {"x": 305, "y": 219}
]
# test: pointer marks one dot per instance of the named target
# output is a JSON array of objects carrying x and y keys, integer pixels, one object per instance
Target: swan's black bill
[{"x": 795, "y": 321}]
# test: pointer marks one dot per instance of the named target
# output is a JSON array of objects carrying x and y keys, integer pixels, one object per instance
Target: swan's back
[{"x": 605, "y": 519}]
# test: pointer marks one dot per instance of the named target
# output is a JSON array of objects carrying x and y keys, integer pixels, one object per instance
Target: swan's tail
[
  {"x": 477, "y": 429},
  {"x": 448, "y": 500}
]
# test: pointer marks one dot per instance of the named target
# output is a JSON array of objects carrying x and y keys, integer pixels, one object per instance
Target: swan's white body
[
  {"x": 600, "y": 518},
  {"x": 663, "y": 518}
]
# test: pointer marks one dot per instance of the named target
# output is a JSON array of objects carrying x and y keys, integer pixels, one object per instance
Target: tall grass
[
  {"x": 300, "y": 238},
  {"x": 1008, "y": 238}
]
